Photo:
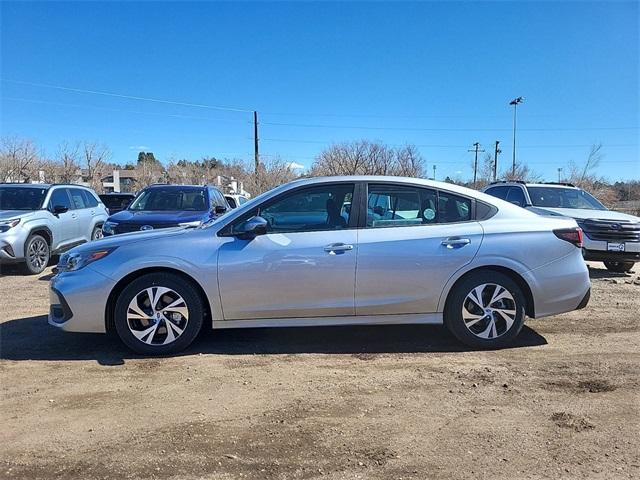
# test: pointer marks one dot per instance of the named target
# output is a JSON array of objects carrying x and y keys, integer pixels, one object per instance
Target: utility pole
[
  {"x": 515, "y": 102},
  {"x": 434, "y": 172},
  {"x": 256, "y": 156},
  {"x": 559, "y": 174},
  {"x": 475, "y": 164},
  {"x": 495, "y": 161}
]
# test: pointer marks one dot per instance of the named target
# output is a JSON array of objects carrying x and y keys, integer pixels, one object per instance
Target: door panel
[
  {"x": 286, "y": 275},
  {"x": 63, "y": 225},
  {"x": 404, "y": 269},
  {"x": 81, "y": 214}
]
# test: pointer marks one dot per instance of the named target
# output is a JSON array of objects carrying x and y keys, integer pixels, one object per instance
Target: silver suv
[
  {"x": 610, "y": 237},
  {"x": 37, "y": 221}
]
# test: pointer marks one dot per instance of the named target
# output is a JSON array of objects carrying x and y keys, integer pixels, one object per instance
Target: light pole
[
  {"x": 515, "y": 102},
  {"x": 559, "y": 174}
]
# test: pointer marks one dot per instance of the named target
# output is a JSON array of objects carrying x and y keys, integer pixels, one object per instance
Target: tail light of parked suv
[{"x": 571, "y": 235}]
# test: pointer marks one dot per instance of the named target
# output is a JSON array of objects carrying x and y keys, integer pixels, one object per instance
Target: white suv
[
  {"x": 610, "y": 237},
  {"x": 38, "y": 221}
]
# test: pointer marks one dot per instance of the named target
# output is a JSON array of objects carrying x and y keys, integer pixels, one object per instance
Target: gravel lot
[{"x": 350, "y": 402}]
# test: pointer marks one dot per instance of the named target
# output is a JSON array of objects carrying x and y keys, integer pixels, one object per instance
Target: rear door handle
[
  {"x": 455, "y": 242},
  {"x": 338, "y": 248},
  {"x": 73, "y": 215}
]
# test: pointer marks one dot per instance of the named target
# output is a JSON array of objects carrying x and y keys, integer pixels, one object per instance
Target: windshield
[
  {"x": 21, "y": 198},
  {"x": 554, "y": 197},
  {"x": 171, "y": 199}
]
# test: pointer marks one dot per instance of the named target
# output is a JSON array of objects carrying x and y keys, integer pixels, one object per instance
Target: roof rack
[
  {"x": 508, "y": 181},
  {"x": 566, "y": 184}
]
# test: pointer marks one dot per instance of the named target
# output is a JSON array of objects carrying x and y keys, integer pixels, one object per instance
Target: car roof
[
  {"x": 26, "y": 185},
  {"x": 171, "y": 185}
]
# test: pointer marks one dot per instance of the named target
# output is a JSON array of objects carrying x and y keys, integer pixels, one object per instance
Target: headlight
[
  {"x": 71, "y": 261},
  {"x": 8, "y": 224},
  {"x": 109, "y": 227},
  {"x": 196, "y": 223}
]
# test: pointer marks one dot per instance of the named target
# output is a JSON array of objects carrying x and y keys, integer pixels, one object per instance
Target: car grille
[
  {"x": 611, "y": 230},
  {"x": 135, "y": 227}
]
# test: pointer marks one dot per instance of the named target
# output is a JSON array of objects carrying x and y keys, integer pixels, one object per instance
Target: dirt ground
[{"x": 341, "y": 403}]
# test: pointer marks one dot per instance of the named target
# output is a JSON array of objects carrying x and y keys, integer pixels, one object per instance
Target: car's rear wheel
[
  {"x": 486, "y": 309},
  {"x": 158, "y": 314},
  {"x": 619, "y": 267},
  {"x": 36, "y": 254}
]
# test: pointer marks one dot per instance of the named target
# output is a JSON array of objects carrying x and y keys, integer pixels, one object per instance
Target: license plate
[{"x": 615, "y": 247}]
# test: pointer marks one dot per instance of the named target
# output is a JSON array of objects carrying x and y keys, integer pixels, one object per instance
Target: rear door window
[
  {"x": 77, "y": 198},
  {"x": 499, "y": 192},
  {"x": 89, "y": 199},
  {"x": 453, "y": 208},
  {"x": 400, "y": 206}
]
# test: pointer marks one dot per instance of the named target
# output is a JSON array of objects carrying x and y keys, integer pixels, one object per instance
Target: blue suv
[{"x": 166, "y": 206}]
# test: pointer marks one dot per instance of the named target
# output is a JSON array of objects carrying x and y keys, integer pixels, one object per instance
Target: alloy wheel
[
  {"x": 489, "y": 311},
  {"x": 157, "y": 315},
  {"x": 97, "y": 234},
  {"x": 38, "y": 253}
]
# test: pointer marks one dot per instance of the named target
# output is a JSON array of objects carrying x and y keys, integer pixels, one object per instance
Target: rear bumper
[{"x": 560, "y": 286}]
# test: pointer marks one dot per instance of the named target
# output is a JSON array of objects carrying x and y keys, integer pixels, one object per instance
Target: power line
[{"x": 129, "y": 97}]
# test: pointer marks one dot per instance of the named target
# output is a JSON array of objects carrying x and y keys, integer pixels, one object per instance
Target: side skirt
[{"x": 403, "y": 319}]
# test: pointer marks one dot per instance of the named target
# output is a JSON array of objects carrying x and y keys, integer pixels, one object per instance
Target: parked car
[
  {"x": 38, "y": 221},
  {"x": 166, "y": 206},
  {"x": 433, "y": 253},
  {"x": 610, "y": 237},
  {"x": 116, "y": 202},
  {"x": 235, "y": 201}
]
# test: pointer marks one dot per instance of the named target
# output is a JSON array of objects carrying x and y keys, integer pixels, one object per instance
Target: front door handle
[
  {"x": 455, "y": 242},
  {"x": 338, "y": 248},
  {"x": 73, "y": 215}
]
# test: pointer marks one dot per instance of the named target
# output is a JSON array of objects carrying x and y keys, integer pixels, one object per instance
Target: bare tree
[
  {"x": 68, "y": 159},
  {"x": 368, "y": 158},
  {"x": 271, "y": 173},
  {"x": 96, "y": 157},
  {"x": 18, "y": 160},
  {"x": 523, "y": 172}
]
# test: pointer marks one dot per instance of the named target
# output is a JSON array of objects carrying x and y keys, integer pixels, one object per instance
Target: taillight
[{"x": 571, "y": 235}]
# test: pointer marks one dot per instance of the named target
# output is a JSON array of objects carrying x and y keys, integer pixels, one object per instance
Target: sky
[{"x": 438, "y": 75}]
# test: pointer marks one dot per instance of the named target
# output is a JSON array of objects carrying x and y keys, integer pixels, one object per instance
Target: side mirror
[
  {"x": 219, "y": 209},
  {"x": 252, "y": 228},
  {"x": 58, "y": 209}
]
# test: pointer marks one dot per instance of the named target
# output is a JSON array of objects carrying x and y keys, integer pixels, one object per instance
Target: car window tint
[
  {"x": 60, "y": 198},
  {"x": 453, "y": 208},
  {"x": 242, "y": 200},
  {"x": 313, "y": 209},
  {"x": 499, "y": 192},
  {"x": 516, "y": 196},
  {"x": 400, "y": 206},
  {"x": 89, "y": 200},
  {"x": 232, "y": 202},
  {"x": 77, "y": 198}
]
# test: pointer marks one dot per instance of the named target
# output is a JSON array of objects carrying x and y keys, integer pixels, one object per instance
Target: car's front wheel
[
  {"x": 619, "y": 267},
  {"x": 37, "y": 254},
  {"x": 97, "y": 233},
  {"x": 486, "y": 309},
  {"x": 158, "y": 314}
]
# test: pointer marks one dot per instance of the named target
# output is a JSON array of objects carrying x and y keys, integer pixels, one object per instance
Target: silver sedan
[{"x": 330, "y": 251}]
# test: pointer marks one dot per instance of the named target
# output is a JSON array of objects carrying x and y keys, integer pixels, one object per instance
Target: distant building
[{"x": 120, "y": 181}]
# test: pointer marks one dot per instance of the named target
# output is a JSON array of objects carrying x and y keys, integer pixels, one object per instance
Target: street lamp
[
  {"x": 515, "y": 102},
  {"x": 560, "y": 174}
]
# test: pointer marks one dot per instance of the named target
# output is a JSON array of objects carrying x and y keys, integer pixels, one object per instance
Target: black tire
[
  {"x": 96, "y": 234},
  {"x": 37, "y": 254},
  {"x": 457, "y": 300},
  {"x": 180, "y": 286},
  {"x": 619, "y": 267}
]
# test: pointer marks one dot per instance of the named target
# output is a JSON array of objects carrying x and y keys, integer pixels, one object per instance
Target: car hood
[
  {"x": 129, "y": 238},
  {"x": 143, "y": 217},
  {"x": 583, "y": 214},
  {"x": 9, "y": 214}
]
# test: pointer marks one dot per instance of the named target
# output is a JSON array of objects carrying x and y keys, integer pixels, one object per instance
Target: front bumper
[
  {"x": 604, "y": 256},
  {"x": 78, "y": 300},
  {"x": 12, "y": 245}
]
